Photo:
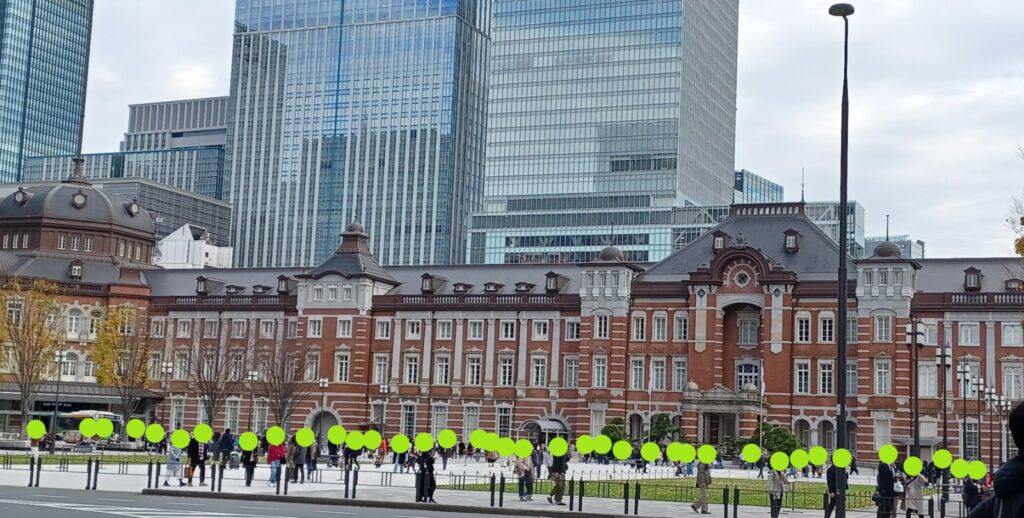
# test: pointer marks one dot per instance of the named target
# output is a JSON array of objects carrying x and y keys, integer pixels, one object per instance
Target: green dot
[
  {"x": 602, "y": 444},
  {"x": 180, "y": 439},
  {"x": 799, "y": 458},
  {"x": 35, "y": 429},
  {"x": 585, "y": 444},
  {"x": 942, "y": 459},
  {"x": 779, "y": 461},
  {"x": 104, "y": 428},
  {"x": 506, "y": 447},
  {"x": 913, "y": 466},
  {"x": 424, "y": 442},
  {"x": 977, "y": 470},
  {"x": 275, "y": 435},
  {"x": 959, "y": 468},
  {"x": 202, "y": 432},
  {"x": 372, "y": 439},
  {"x": 841, "y": 458},
  {"x": 888, "y": 454},
  {"x": 305, "y": 438},
  {"x": 355, "y": 440},
  {"x": 399, "y": 443},
  {"x": 817, "y": 455},
  {"x": 446, "y": 438},
  {"x": 674, "y": 452},
  {"x": 523, "y": 448},
  {"x": 707, "y": 454},
  {"x": 650, "y": 452},
  {"x": 478, "y": 439},
  {"x": 622, "y": 450},
  {"x": 155, "y": 433},
  {"x": 336, "y": 434},
  {"x": 558, "y": 446},
  {"x": 248, "y": 441},
  {"x": 751, "y": 453},
  {"x": 688, "y": 454},
  {"x": 135, "y": 428},
  {"x": 87, "y": 428}
]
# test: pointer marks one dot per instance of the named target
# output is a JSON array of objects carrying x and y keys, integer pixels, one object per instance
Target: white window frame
[
  {"x": 658, "y": 374},
  {"x": 183, "y": 328},
  {"x": 679, "y": 382},
  {"x": 600, "y": 371},
  {"x": 381, "y": 374},
  {"x": 444, "y": 329},
  {"x": 745, "y": 328},
  {"x": 826, "y": 377},
  {"x": 315, "y": 327},
  {"x": 540, "y": 329},
  {"x": 969, "y": 333},
  {"x": 1013, "y": 380},
  {"x": 475, "y": 330},
  {"x": 342, "y": 366},
  {"x": 238, "y": 328},
  {"x": 442, "y": 369},
  {"x": 332, "y": 292},
  {"x": 883, "y": 328},
  {"x": 156, "y": 327},
  {"x": 801, "y": 377},
  {"x": 928, "y": 376},
  {"x": 571, "y": 378},
  {"x": 266, "y": 328},
  {"x": 344, "y": 329},
  {"x": 1013, "y": 334},
  {"x": 383, "y": 329},
  {"x": 470, "y": 419},
  {"x": 572, "y": 330},
  {"x": 508, "y": 330},
  {"x": 317, "y": 293},
  {"x": 538, "y": 371},
  {"x": 659, "y": 328},
  {"x": 474, "y": 370},
  {"x": 826, "y": 329},
  {"x": 883, "y": 376},
  {"x": 638, "y": 328},
  {"x": 803, "y": 329},
  {"x": 411, "y": 369},
  {"x": 413, "y": 329},
  {"x": 602, "y": 327},
  {"x": 506, "y": 370},
  {"x": 637, "y": 372},
  {"x": 681, "y": 327},
  {"x": 210, "y": 328}
]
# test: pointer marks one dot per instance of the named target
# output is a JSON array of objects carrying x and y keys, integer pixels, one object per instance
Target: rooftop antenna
[
  {"x": 886, "y": 227},
  {"x": 802, "y": 185}
]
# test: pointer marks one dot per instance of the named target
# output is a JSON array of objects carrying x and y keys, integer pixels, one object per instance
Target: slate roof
[
  {"x": 480, "y": 274},
  {"x": 947, "y": 275},
  {"x": 182, "y": 282},
  {"x": 817, "y": 258},
  {"x": 54, "y": 201},
  {"x": 349, "y": 264}
]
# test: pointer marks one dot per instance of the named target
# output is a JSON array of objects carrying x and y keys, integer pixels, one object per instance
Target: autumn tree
[
  {"x": 30, "y": 332},
  {"x": 217, "y": 371},
  {"x": 281, "y": 381},
  {"x": 121, "y": 354}
]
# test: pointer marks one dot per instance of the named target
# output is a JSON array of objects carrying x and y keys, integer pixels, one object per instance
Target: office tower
[
  {"x": 362, "y": 111},
  {"x": 177, "y": 143},
  {"x": 910, "y": 248},
  {"x": 603, "y": 115},
  {"x": 44, "y": 64},
  {"x": 751, "y": 188}
]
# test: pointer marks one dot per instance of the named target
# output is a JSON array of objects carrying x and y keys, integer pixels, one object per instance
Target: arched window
[
  {"x": 94, "y": 323},
  {"x": 70, "y": 366},
  {"x": 802, "y": 431},
  {"x": 826, "y": 435},
  {"x": 748, "y": 374},
  {"x": 74, "y": 323}
]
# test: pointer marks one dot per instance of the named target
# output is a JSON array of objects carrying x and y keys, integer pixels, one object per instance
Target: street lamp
[
  {"x": 323, "y": 404},
  {"x": 964, "y": 375},
  {"x": 59, "y": 357},
  {"x": 166, "y": 369},
  {"x": 979, "y": 389},
  {"x": 1007, "y": 406},
  {"x": 990, "y": 401},
  {"x": 253, "y": 377},
  {"x": 944, "y": 360},
  {"x": 843, "y": 10},
  {"x": 385, "y": 391},
  {"x": 915, "y": 346}
]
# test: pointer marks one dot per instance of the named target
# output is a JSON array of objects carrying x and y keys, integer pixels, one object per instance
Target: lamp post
[
  {"x": 964, "y": 373},
  {"x": 166, "y": 369},
  {"x": 253, "y": 377},
  {"x": 1004, "y": 413},
  {"x": 993, "y": 407},
  {"x": 323, "y": 404},
  {"x": 990, "y": 401},
  {"x": 59, "y": 357},
  {"x": 385, "y": 392},
  {"x": 945, "y": 362},
  {"x": 915, "y": 345},
  {"x": 844, "y": 11}
]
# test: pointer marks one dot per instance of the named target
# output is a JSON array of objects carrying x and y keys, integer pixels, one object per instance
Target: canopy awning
[{"x": 72, "y": 393}]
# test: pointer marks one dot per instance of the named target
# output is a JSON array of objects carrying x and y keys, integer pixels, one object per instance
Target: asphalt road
[{"x": 70, "y": 503}]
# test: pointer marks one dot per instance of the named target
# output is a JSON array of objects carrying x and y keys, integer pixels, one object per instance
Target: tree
[
  {"x": 121, "y": 354},
  {"x": 282, "y": 382},
  {"x": 776, "y": 438},
  {"x": 615, "y": 430},
  {"x": 662, "y": 427},
  {"x": 30, "y": 327},
  {"x": 217, "y": 371}
]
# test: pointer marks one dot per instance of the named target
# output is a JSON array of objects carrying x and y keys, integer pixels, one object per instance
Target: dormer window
[
  {"x": 282, "y": 285},
  {"x": 233, "y": 290},
  {"x": 201, "y": 285},
  {"x": 260, "y": 289},
  {"x": 720, "y": 240},
  {"x": 460, "y": 287},
  {"x": 972, "y": 279},
  {"x": 553, "y": 283},
  {"x": 493, "y": 287},
  {"x": 524, "y": 287},
  {"x": 791, "y": 242},
  {"x": 431, "y": 283},
  {"x": 1014, "y": 285},
  {"x": 75, "y": 272}
]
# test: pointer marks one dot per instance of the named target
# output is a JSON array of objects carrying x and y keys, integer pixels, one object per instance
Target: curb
[{"x": 319, "y": 500}]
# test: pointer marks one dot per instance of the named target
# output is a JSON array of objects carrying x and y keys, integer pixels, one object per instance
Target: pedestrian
[
  {"x": 428, "y": 482},
  {"x": 296, "y": 461},
  {"x": 249, "y": 463},
  {"x": 524, "y": 470},
  {"x": 197, "y": 457},
  {"x": 760, "y": 467},
  {"x": 853, "y": 466},
  {"x": 173, "y": 466},
  {"x": 399, "y": 459},
  {"x": 332, "y": 454},
  {"x": 444, "y": 459},
  {"x": 913, "y": 494},
  {"x": 556, "y": 471},
  {"x": 275, "y": 455},
  {"x": 703, "y": 482},
  {"x": 833, "y": 478},
  {"x": 226, "y": 445},
  {"x": 1007, "y": 483},
  {"x": 885, "y": 486},
  {"x": 312, "y": 454},
  {"x": 776, "y": 487},
  {"x": 972, "y": 496},
  {"x": 537, "y": 457}
]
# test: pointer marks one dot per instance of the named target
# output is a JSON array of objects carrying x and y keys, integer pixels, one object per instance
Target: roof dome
[
  {"x": 76, "y": 200},
  {"x": 355, "y": 227},
  {"x": 611, "y": 253},
  {"x": 7, "y": 261},
  {"x": 887, "y": 249}
]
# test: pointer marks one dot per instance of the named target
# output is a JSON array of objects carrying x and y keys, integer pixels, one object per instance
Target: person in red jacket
[{"x": 275, "y": 454}]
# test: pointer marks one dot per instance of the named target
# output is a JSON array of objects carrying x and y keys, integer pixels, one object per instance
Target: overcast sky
[{"x": 937, "y": 101}]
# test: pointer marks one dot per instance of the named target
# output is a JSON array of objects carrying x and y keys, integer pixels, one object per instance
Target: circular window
[{"x": 742, "y": 279}]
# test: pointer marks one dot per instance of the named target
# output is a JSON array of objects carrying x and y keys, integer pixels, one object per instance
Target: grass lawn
[{"x": 80, "y": 458}]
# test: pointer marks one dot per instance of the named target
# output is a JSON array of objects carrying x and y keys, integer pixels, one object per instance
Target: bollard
[
  {"x": 347, "y": 470},
  {"x": 31, "y": 471},
  {"x": 736, "y": 501},
  {"x": 88, "y": 475},
  {"x": 579, "y": 504},
  {"x": 220, "y": 481},
  {"x": 636, "y": 498},
  {"x": 572, "y": 492},
  {"x": 355, "y": 482},
  {"x": 931, "y": 508},
  {"x": 213, "y": 477},
  {"x": 287, "y": 477},
  {"x": 39, "y": 469},
  {"x": 492, "y": 490},
  {"x": 625, "y": 497},
  {"x": 725, "y": 501},
  {"x": 95, "y": 474},
  {"x": 277, "y": 490},
  {"x": 156, "y": 481},
  {"x": 149, "y": 475},
  {"x": 501, "y": 491}
]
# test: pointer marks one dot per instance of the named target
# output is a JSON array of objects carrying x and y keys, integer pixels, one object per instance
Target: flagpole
[{"x": 760, "y": 412}]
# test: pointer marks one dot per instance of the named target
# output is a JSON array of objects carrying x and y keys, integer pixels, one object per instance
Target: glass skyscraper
[
  {"x": 44, "y": 63},
  {"x": 603, "y": 116},
  {"x": 359, "y": 110},
  {"x": 751, "y": 188}
]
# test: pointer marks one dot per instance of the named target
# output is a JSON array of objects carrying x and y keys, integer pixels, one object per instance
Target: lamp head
[{"x": 843, "y": 10}]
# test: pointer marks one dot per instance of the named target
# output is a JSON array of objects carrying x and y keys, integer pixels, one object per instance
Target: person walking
[
  {"x": 296, "y": 461},
  {"x": 197, "y": 457},
  {"x": 833, "y": 478},
  {"x": 249, "y": 464},
  {"x": 524, "y": 470},
  {"x": 225, "y": 445},
  {"x": 972, "y": 496},
  {"x": 275, "y": 456},
  {"x": 776, "y": 487},
  {"x": 1007, "y": 500},
  {"x": 537, "y": 457},
  {"x": 173, "y": 466},
  {"x": 556, "y": 470},
  {"x": 312, "y": 454},
  {"x": 703, "y": 482},
  {"x": 760, "y": 467},
  {"x": 425, "y": 461},
  {"x": 913, "y": 494},
  {"x": 885, "y": 486}
]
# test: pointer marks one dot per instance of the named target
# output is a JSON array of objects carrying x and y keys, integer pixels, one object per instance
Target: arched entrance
[
  {"x": 543, "y": 430},
  {"x": 636, "y": 427},
  {"x": 321, "y": 422}
]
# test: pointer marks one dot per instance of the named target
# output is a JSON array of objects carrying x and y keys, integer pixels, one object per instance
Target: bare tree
[
  {"x": 30, "y": 326},
  {"x": 281, "y": 381},
  {"x": 121, "y": 353},
  {"x": 217, "y": 371},
  {"x": 1016, "y": 218}
]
